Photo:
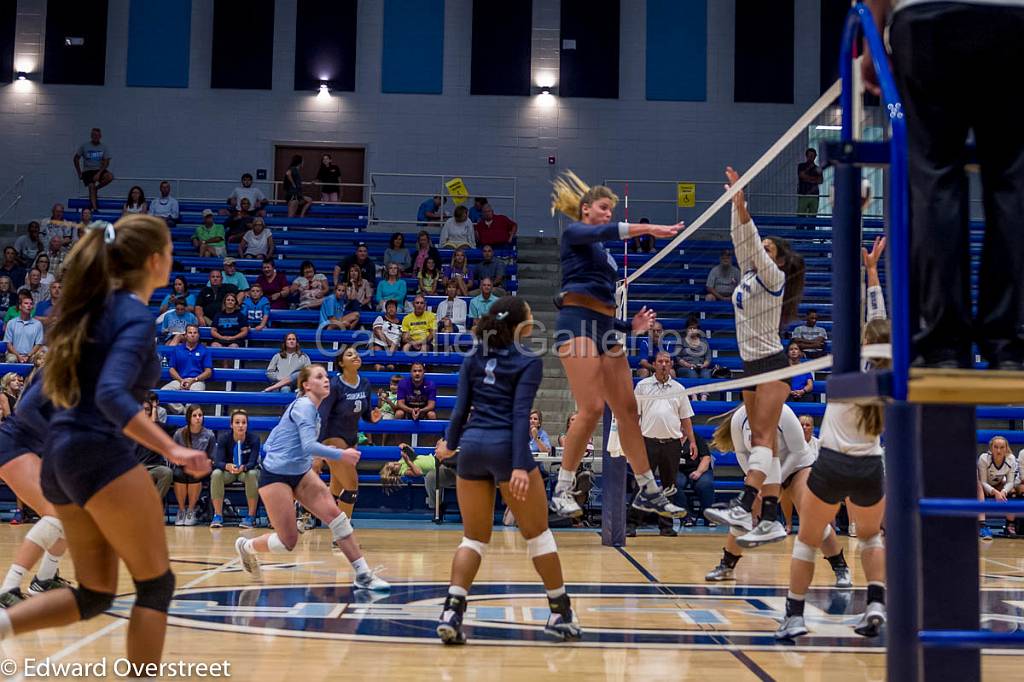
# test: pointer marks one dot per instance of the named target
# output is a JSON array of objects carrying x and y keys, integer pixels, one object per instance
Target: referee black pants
[
  {"x": 958, "y": 68},
  {"x": 663, "y": 455}
]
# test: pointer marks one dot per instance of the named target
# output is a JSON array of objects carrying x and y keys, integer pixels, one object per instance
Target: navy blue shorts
[
  {"x": 573, "y": 321},
  {"x": 78, "y": 465},
  {"x": 486, "y": 456},
  {"x": 12, "y": 448},
  {"x": 290, "y": 480}
]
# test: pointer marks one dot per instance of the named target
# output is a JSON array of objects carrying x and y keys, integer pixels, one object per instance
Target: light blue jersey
[{"x": 293, "y": 444}]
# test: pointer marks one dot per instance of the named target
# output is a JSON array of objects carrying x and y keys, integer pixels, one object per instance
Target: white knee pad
[
  {"x": 46, "y": 532},
  {"x": 341, "y": 527},
  {"x": 876, "y": 541},
  {"x": 541, "y": 545},
  {"x": 803, "y": 551},
  {"x": 276, "y": 546},
  {"x": 474, "y": 546},
  {"x": 774, "y": 476},
  {"x": 827, "y": 533},
  {"x": 760, "y": 459}
]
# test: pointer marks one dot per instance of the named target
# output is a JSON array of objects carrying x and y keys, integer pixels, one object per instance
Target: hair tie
[
  {"x": 501, "y": 316},
  {"x": 109, "y": 235}
]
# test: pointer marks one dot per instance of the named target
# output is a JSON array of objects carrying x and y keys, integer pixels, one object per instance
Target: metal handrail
[
  {"x": 271, "y": 184},
  {"x": 17, "y": 186},
  {"x": 441, "y": 190}
]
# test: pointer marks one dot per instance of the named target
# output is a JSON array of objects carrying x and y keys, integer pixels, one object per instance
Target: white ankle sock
[
  {"x": 48, "y": 567},
  {"x": 556, "y": 593},
  {"x": 457, "y": 591},
  {"x": 15, "y": 574},
  {"x": 360, "y": 566},
  {"x": 6, "y": 629},
  {"x": 647, "y": 482},
  {"x": 565, "y": 478}
]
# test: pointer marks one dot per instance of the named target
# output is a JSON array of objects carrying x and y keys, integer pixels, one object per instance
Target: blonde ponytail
[{"x": 570, "y": 193}]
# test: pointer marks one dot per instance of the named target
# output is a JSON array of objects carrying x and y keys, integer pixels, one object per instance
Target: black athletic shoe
[
  {"x": 449, "y": 625},
  {"x": 38, "y": 586},
  {"x": 11, "y": 597}
]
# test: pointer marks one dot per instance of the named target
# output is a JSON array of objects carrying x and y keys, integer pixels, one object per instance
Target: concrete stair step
[{"x": 539, "y": 269}]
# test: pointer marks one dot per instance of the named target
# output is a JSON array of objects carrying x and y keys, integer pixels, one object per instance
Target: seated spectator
[
  {"x": 392, "y": 287},
  {"x": 154, "y": 401},
  {"x": 211, "y": 299},
  {"x": 54, "y": 260},
  {"x": 643, "y": 243},
  {"x": 35, "y": 287},
  {"x": 568, "y": 422},
  {"x": 458, "y": 271},
  {"x": 411, "y": 464},
  {"x": 495, "y": 229},
  {"x": 231, "y": 275},
  {"x": 15, "y": 310},
  {"x": 256, "y": 308},
  {"x": 540, "y": 442},
  {"x": 417, "y": 395},
  {"x": 723, "y": 278},
  {"x": 397, "y": 253},
  {"x": 175, "y": 322},
  {"x": 361, "y": 258},
  {"x": 429, "y": 278},
  {"x": 387, "y": 399},
  {"x": 165, "y": 206},
  {"x": 230, "y": 325},
  {"x": 186, "y": 486},
  {"x": 489, "y": 268},
  {"x": 23, "y": 334},
  {"x": 190, "y": 365},
  {"x": 387, "y": 331},
  {"x": 358, "y": 291},
  {"x": 648, "y": 347},
  {"x": 11, "y": 268},
  {"x": 329, "y": 178},
  {"x": 285, "y": 366},
  {"x": 274, "y": 284},
  {"x": 92, "y": 161},
  {"x": 695, "y": 354},
  {"x": 310, "y": 287},
  {"x": 258, "y": 242},
  {"x": 418, "y": 327},
  {"x": 85, "y": 219},
  {"x": 43, "y": 309},
  {"x": 802, "y": 385},
  {"x": 10, "y": 389},
  {"x": 430, "y": 213},
  {"x": 235, "y": 459},
  {"x": 458, "y": 231},
  {"x": 809, "y": 337},
  {"x": 255, "y": 195},
  {"x": 208, "y": 238},
  {"x": 334, "y": 313},
  {"x": 42, "y": 264},
  {"x": 424, "y": 249},
  {"x": 55, "y": 225},
  {"x": 697, "y": 476},
  {"x": 135, "y": 203},
  {"x": 179, "y": 289},
  {"x": 997, "y": 476},
  {"x": 482, "y": 302},
  {"x": 154, "y": 462},
  {"x": 453, "y": 308},
  {"x": 298, "y": 202},
  {"x": 8, "y": 296},
  {"x": 807, "y": 424},
  {"x": 239, "y": 222},
  {"x": 476, "y": 211},
  {"x": 29, "y": 245}
]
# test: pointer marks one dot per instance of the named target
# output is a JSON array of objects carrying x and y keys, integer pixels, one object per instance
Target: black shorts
[
  {"x": 12, "y": 448},
  {"x": 290, "y": 480},
  {"x": 771, "y": 363},
  {"x": 80, "y": 464},
  {"x": 789, "y": 479},
  {"x": 573, "y": 321},
  {"x": 181, "y": 476},
  {"x": 89, "y": 177},
  {"x": 486, "y": 456},
  {"x": 836, "y": 476}
]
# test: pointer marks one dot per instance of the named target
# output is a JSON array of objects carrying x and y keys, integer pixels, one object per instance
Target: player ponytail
[
  {"x": 721, "y": 439},
  {"x": 871, "y": 418},
  {"x": 500, "y": 327},
  {"x": 792, "y": 264},
  {"x": 390, "y": 479},
  {"x": 570, "y": 194}
]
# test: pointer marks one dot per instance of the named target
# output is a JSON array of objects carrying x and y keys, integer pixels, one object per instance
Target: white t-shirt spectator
[
  {"x": 256, "y": 244},
  {"x": 164, "y": 207},
  {"x": 723, "y": 279},
  {"x": 392, "y": 330},
  {"x": 457, "y": 310},
  {"x": 309, "y": 294},
  {"x": 26, "y": 248},
  {"x": 253, "y": 194},
  {"x": 805, "y": 333},
  {"x": 455, "y": 234}
]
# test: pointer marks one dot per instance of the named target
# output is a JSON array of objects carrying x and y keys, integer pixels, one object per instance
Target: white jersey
[
  {"x": 994, "y": 477},
  {"x": 793, "y": 451},
  {"x": 758, "y": 299}
]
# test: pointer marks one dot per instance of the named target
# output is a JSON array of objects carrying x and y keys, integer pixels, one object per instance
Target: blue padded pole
[
  {"x": 846, "y": 274},
  {"x": 613, "y": 492}
]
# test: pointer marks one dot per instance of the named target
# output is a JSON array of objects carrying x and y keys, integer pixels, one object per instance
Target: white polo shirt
[{"x": 662, "y": 406}]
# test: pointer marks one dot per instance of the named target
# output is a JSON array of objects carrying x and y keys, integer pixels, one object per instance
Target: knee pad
[
  {"x": 90, "y": 602},
  {"x": 276, "y": 546},
  {"x": 46, "y": 532},
  {"x": 348, "y": 496},
  {"x": 827, "y": 533},
  {"x": 541, "y": 545},
  {"x": 341, "y": 527},
  {"x": 774, "y": 475},
  {"x": 760, "y": 459},
  {"x": 803, "y": 551},
  {"x": 155, "y": 594},
  {"x": 474, "y": 546},
  {"x": 876, "y": 541}
]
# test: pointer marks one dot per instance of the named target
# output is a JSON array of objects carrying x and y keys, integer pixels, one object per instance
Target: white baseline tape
[{"x": 775, "y": 375}]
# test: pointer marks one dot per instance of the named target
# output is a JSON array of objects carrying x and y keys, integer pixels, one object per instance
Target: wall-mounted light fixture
[
  {"x": 22, "y": 76},
  {"x": 324, "y": 90}
]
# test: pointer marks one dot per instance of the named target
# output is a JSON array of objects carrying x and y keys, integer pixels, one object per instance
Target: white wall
[{"x": 198, "y": 132}]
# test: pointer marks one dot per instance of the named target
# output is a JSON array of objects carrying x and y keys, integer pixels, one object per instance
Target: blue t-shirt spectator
[
  {"x": 256, "y": 312},
  {"x": 43, "y": 308},
  {"x": 229, "y": 324},
  {"x": 543, "y": 437},
  {"x": 190, "y": 362},
  {"x": 478, "y": 305},
  {"x": 387, "y": 291},
  {"x": 798, "y": 382},
  {"x": 426, "y": 206},
  {"x": 331, "y": 307},
  {"x": 173, "y": 323},
  {"x": 24, "y": 335},
  {"x": 168, "y": 302}
]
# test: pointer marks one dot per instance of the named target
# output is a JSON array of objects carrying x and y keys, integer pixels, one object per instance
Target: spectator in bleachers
[
  {"x": 29, "y": 245},
  {"x": 695, "y": 353},
  {"x": 208, "y": 238},
  {"x": 42, "y": 266},
  {"x": 15, "y": 310},
  {"x": 482, "y": 302},
  {"x": 696, "y": 476},
  {"x": 235, "y": 459},
  {"x": 397, "y": 253},
  {"x": 179, "y": 289},
  {"x": 489, "y": 268},
  {"x": 476, "y": 211},
  {"x": 494, "y": 228},
  {"x": 647, "y": 348},
  {"x": 540, "y": 442},
  {"x": 644, "y": 243},
  {"x": 11, "y": 269},
  {"x": 809, "y": 179},
  {"x": 453, "y": 308},
  {"x": 387, "y": 399},
  {"x": 997, "y": 476},
  {"x": 231, "y": 275},
  {"x": 809, "y": 337},
  {"x": 23, "y": 334},
  {"x": 55, "y": 224},
  {"x": 153, "y": 461},
  {"x": 413, "y": 465},
  {"x": 418, "y": 327},
  {"x": 44, "y": 307},
  {"x": 239, "y": 222},
  {"x": 429, "y": 277},
  {"x": 334, "y": 313},
  {"x": 430, "y": 213},
  {"x": 387, "y": 330},
  {"x": 92, "y": 162},
  {"x": 165, "y": 206},
  {"x": 8, "y": 296},
  {"x": 458, "y": 231},
  {"x": 285, "y": 366},
  {"x": 807, "y": 424},
  {"x": 802, "y": 384},
  {"x": 135, "y": 203},
  {"x": 568, "y": 422},
  {"x": 187, "y": 487},
  {"x": 256, "y": 308},
  {"x": 310, "y": 287},
  {"x": 298, "y": 202},
  {"x": 424, "y": 249},
  {"x": 258, "y": 242},
  {"x": 255, "y": 195},
  {"x": 723, "y": 278},
  {"x": 329, "y": 177},
  {"x": 458, "y": 271},
  {"x": 392, "y": 287},
  {"x": 175, "y": 322},
  {"x": 190, "y": 365},
  {"x": 361, "y": 258},
  {"x": 84, "y": 220},
  {"x": 153, "y": 400},
  {"x": 211, "y": 298},
  {"x": 10, "y": 389},
  {"x": 417, "y": 395},
  {"x": 274, "y": 284},
  {"x": 54, "y": 256},
  {"x": 230, "y": 325},
  {"x": 358, "y": 291}
]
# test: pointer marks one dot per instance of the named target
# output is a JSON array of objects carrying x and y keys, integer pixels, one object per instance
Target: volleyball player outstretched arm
[
  {"x": 457, "y": 419},
  {"x": 746, "y": 241},
  {"x": 522, "y": 404},
  {"x": 580, "y": 233},
  {"x": 875, "y": 297}
]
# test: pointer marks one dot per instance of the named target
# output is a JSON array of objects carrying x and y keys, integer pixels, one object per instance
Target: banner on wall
[
  {"x": 686, "y": 194},
  {"x": 457, "y": 191}
]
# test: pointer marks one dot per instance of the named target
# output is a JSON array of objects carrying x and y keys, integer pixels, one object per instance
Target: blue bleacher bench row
[{"x": 198, "y": 205}]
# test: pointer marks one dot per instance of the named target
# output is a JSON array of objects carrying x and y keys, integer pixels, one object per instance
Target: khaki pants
[
  {"x": 178, "y": 408},
  {"x": 219, "y": 478}
]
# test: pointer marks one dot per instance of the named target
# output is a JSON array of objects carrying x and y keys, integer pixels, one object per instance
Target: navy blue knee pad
[
  {"x": 348, "y": 496},
  {"x": 90, "y": 602},
  {"x": 156, "y": 593}
]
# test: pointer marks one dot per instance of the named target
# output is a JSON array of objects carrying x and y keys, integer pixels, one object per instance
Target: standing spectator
[
  {"x": 695, "y": 353},
  {"x": 809, "y": 337},
  {"x": 285, "y": 366},
  {"x": 417, "y": 395},
  {"x": 175, "y": 322},
  {"x": 187, "y": 487},
  {"x": 274, "y": 284},
  {"x": 10, "y": 389},
  {"x": 809, "y": 180},
  {"x": 165, "y": 206},
  {"x": 208, "y": 238},
  {"x": 235, "y": 459},
  {"x": 458, "y": 231},
  {"x": 429, "y": 278},
  {"x": 135, "y": 203},
  {"x": 418, "y": 327},
  {"x": 430, "y": 213},
  {"x": 232, "y": 276},
  {"x": 458, "y": 271},
  {"x": 424, "y": 249},
  {"x": 696, "y": 476},
  {"x": 361, "y": 258},
  {"x": 29, "y": 245},
  {"x": 190, "y": 365},
  {"x": 997, "y": 476},
  {"x": 179, "y": 289},
  {"x": 256, "y": 308},
  {"x": 495, "y": 229},
  {"x": 807, "y": 424},
  {"x": 255, "y": 195},
  {"x": 258, "y": 242},
  {"x": 310, "y": 287},
  {"x": 723, "y": 278},
  {"x": 152, "y": 460},
  {"x": 334, "y": 313},
  {"x": 489, "y": 268},
  {"x": 44, "y": 307},
  {"x": 298, "y": 203},
  {"x": 239, "y": 222},
  {"x": 476, "y": 211},
  {"x": 10, "y": 267},
  {"x": 387, "y": 329},
  {"x": 211, "y": 298},
  {"x": 392, "y": 287},
  {"x": 23, "y": 334},
  {"x": 802, "y": 384},
  {"x": 453, "y": 308},
  {"x": 482, "y": 302},
  {"x": 329, "y": 177},
  {"x": 397, "y": 253},
  {"x": 230, "y": 325},
  {"x": 8, "y": 296},
  {"x": 92, "y": 161},
  {"x": 540, "y": 442}
]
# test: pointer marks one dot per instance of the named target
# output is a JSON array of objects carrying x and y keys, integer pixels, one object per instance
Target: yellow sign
[
  {"x": 686, "y": 194},
  {"x": 457, "y": 190}
]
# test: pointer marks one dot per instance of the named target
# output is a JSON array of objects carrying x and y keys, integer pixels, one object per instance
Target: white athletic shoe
[
  {"x": 250, "y": 562},
  {"x": 720, "y": 573},
  {"x": 764, "y": 533},
  {"x": 179, "y": 520},
  {"x": 564, "y": 504},
  {"x": 870, "y": 624},
  {"x": 733, "y": 515},
  {"x": 843, "y": 579},
  {"x": 371, "y": 581},
  {"x": 190, "y": 517},
  {"x": 791, "y": 627}
]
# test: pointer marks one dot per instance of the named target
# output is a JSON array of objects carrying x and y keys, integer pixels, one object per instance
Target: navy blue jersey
[
  {"x": 499, "y": 387},
  {"x": 587, "y": 267},
  {"x": 118, "y": 365},
  {"x": 341, "y": 409},
  {"x": 28, "y": 427}
]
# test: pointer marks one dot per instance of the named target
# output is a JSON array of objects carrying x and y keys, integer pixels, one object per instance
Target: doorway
[{"x": 351, "y": 161}]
